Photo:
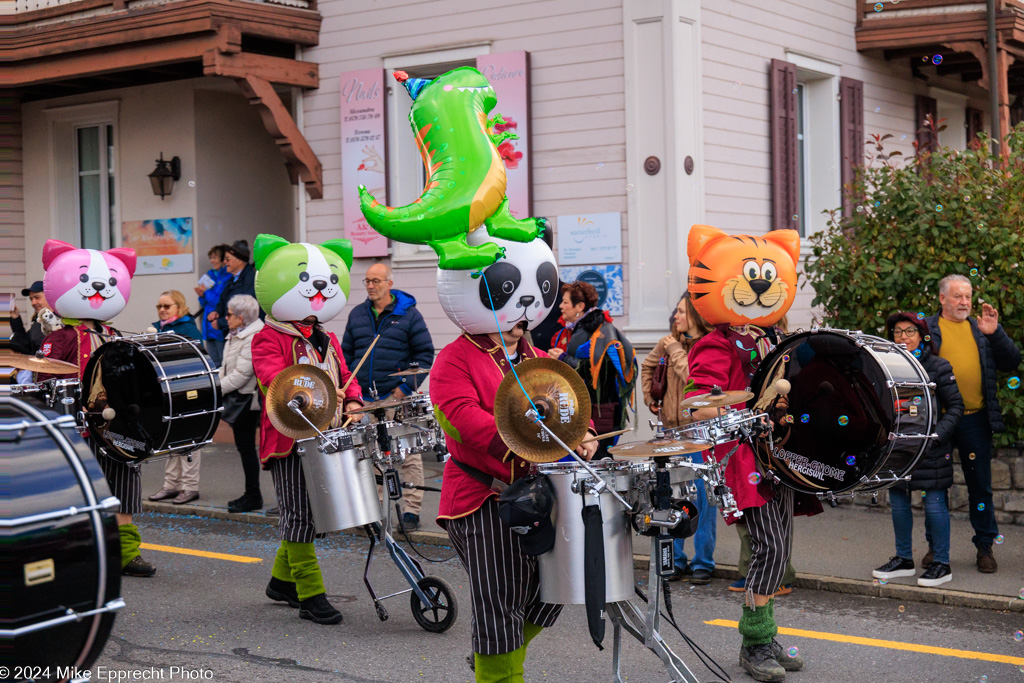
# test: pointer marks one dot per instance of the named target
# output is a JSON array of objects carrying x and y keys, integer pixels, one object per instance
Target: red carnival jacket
[
  {"x": 278, "y": 346},
  {"x": 463, "y": 382},
  {"x": 71, "y": 344}
]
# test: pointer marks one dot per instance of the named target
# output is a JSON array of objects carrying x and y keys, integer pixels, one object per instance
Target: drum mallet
[{"x": 366, "y": 354}]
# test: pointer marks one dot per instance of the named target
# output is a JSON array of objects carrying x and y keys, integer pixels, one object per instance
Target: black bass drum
[
  {"x": 862, "y": 409},
  {"x": 61, "y": 552},
  {"x": 164, "y": 393}
]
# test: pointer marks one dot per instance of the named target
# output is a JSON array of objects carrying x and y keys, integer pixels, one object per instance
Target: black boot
[
  {"x": 247, "y": 503},
  {"x": 138, "y": 567},
  {"x": 283, "y": 591},
  {"x": 319, "y": 610}
]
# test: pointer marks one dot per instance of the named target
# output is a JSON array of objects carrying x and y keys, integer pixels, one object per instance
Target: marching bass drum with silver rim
[
  {"x": 163, "y": 389},
  {"x": 862, "y": 408},
  {"x": 61, "y": 551}
]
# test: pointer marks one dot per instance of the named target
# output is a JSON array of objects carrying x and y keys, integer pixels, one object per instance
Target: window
[
  {"x": 94, "y": 154},
  {"x": 84, "y": 161}
]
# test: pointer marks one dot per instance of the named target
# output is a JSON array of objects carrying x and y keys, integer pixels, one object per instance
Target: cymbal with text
[{"x": 314, "y": 391}]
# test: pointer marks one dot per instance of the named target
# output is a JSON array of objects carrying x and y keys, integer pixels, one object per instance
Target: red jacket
[
  {"x": 463, "y": 382},
  {"x": 276, "y": 347},
  {"x": 70, "y": 344},
  {"x": 714, "y": 361}
]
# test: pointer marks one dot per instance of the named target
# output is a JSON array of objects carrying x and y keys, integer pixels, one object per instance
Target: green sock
[
  {"x": 757, "y": 626},
  {"x": 282, "y": 571},
  {"x": 305, "y": 569},
  {"x": 530, "y": 631},
  {"x": 503, "y": 668},
  {"x": 130, "y": 540}
]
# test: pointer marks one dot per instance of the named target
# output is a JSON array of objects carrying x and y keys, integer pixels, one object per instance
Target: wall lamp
[{"x": 163, "y": 176}]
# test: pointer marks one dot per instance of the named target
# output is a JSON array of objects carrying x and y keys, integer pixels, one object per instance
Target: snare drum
[
  {"x": 718, "y": 430},
  {"x": 61, "y": 395},
  {"x": 62, "y": 555},
  {"x": 417, "y": 435},
  {"x": 862, "y": 407},
  {"x": 341, "y": 485},
  {"x": 562, "y": 573},
  {"x": 165, "y": 393}
]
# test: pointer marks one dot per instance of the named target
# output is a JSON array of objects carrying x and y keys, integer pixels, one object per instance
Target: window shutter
[
  {"x": 785, "y": 171},
  {"x": 975, "y": 120},
  {"x": 925, "y": 106},
  {"x": 851, "y": 123}
]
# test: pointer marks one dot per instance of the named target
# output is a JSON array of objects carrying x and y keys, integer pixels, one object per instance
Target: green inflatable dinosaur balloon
[{"x": 465, "y": 174}]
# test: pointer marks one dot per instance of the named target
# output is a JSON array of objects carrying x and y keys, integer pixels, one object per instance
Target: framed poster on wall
[
  {"x": 363, "y": 151},
  {"x": 162, "y": 245}
]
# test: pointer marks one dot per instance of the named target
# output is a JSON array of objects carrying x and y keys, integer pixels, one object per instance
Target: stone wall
[{"x": 1007, "y": 489}]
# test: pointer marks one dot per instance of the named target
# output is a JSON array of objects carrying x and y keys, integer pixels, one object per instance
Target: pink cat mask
[{"x": 87, "y": 284}]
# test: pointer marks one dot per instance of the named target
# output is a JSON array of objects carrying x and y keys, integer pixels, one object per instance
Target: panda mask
[{"x": 521, "y": 287}]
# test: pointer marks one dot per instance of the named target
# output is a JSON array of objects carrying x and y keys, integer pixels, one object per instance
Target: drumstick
[
  {"x": 366, "y": 355},
  {"x": 606, "y": 435}
]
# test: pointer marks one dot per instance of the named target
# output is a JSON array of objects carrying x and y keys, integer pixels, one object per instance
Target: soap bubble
[
  {"x": 924, "y": 494},
  {"x": 1018, "y": 636},
  {"x": 629, "y": 187},
  {"x": 794, "y": 651},
  {"x": 191, "y": 183},
  {"x": 927, "y": 337},
  {"x": 875, "y": 582},
  {"x": 998, "y": 540},
  {"x": 902, "y": 609},
  {"x": 936, "y": 60},
  {"x": 641, "y": 265},
  {"x": 883, "y": 581},
  {"x": 851, "y": 460},
  {"x": 1013, "y": 383},
  {"x": 938, "y": 207},
  {"x": 878, "y": 109},
  {"x": 916, "y": 401},
  {"x": 879, "y": 7},
  {"x": 785, "y": 359},
  {"x": 920, "y": 316},
  {"x": 796, "y": 216},
  {"x": 795, "y": 90},
  {"x": 843, "y": 420},
  {"x": 974, "y": 272},
  {"x": 971, "y": 456},
  {"x": 981, "y": 507},
  {"x": 736, "y": 85},
  {"x": 948, "y": 456},
  {"x": 1021, "y": 594},
  {"x": 967, "y": 197},
  {"x": 754, "y": 478},
  {"x": 917, "y": 353},
  {"x": 860, "y": 209},
  {"x": 805, "y": 418}
]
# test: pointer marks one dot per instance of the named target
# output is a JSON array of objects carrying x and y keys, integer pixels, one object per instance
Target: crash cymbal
[
  {"x": 716, "y": 398},
  {"x": 384, "y": 404},
  {"x": 560, "y": 396},
  {"x": 48, "y": 366},
  {"x": 658, "y": 448},
  {"x": 313, "y": 389},
  {"x": 410, "y": 371}
]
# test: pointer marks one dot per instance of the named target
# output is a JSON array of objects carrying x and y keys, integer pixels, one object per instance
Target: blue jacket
[
  {"x": 245, "y": 284},
  {"x": 404, "y": 339},
  {"x": 185, "y": 326},
  {"x": 209, "y": 300},
  {"x": 997, "y": 352}
]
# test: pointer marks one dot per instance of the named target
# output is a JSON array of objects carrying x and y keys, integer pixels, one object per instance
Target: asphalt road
[{"x": 209, "y": 617}]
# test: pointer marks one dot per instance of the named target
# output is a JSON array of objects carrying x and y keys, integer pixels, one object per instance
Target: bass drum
[
  {"x": 164, "y": 391},
  {"x": 863, "y": 412},
  {"x": 62, "y": 555}
]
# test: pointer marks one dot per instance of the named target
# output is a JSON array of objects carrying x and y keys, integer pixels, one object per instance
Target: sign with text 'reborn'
[
  {"x": 363, "y": 151},
  {"x": 509, "y": 75},
  {"x": 589, "y": 238}
]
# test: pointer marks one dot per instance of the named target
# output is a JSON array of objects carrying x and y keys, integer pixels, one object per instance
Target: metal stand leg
[
  {"x": 628, "y": 616},
  {"x": 410, "y": 568},
  {"x": 616, "y": 648},
  {"x": 371, "y": 531}
]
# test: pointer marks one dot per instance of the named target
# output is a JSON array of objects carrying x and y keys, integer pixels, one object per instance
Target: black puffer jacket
[{"x": 935, "y": 469}]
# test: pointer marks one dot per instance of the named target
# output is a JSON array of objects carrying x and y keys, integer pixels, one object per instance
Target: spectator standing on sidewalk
[
  {"x": 242, "y": 281},
  {"x": 976, "y": 348},
  {"x": 404, "y": 340},
  {"x": 672, "y": 350},
  {"x": 208, "y": 290},
  {"x": 934, "y": 472}
]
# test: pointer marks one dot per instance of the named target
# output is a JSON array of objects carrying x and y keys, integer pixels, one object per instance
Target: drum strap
[
  {"x": 593, "y": 571},
  {"x": 487, "y": 480}
]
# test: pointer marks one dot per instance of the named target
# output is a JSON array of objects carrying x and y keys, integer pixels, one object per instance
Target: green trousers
[
  {"x": 130, "y": 541},
  {"x": 507, "y": 667},
  {"x": 746, "y": 552},
  {"x": 296, "y": 563}
]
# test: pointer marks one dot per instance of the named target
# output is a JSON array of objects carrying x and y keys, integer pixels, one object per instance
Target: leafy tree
[{"x": 916, "y": 221}]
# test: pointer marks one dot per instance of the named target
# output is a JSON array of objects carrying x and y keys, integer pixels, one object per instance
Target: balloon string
[{"x": 494, "y": 312}]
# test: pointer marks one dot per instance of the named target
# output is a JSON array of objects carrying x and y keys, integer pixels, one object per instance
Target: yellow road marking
[
  {"x": 890, "y": 644},
  {"x": 199, "y": 553}
]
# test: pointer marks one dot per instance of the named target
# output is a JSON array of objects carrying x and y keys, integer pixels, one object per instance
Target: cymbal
[
  {"x": 48, "y": 366},
  {"x": 658, "y": 448},
  {"x": 560, "y": 396},
  {"x": 313, "y": 389},
  {"x": 716, "y": 398},
  {"x": 410, "y": 371},
  {"x": 383, "y": 404}
]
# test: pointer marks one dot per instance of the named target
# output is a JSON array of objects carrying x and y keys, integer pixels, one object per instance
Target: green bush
[{"x": 916, "y": 221}]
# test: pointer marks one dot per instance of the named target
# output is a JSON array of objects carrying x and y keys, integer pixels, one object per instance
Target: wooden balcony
[
  {"x": 52, "y": 48},
  {"x": 949, "y": 38}
]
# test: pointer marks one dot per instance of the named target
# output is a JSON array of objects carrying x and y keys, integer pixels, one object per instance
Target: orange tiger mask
[{"x": 741, "y": 279}]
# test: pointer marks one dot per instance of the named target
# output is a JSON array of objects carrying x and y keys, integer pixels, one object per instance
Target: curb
[{"x": 832, "y": 584}]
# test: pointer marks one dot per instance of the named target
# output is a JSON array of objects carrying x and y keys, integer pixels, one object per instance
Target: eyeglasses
[
  {"x": 374, "y": 282},
  {"x": 160, "y": 307},
  {"x": 909, "y": 332},
  {"x": 232, "y": 315}
]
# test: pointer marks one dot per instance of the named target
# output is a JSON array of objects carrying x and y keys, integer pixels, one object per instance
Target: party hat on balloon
[{"x": 413, "y": 85}]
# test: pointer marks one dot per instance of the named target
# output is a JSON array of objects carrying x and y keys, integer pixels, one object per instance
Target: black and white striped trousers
[
  {"x": 124, "y": 480},
  {"x": 771, "y": 541},
  {"x": 296, "y": 521},
  {"x": 503, "y": 581}
]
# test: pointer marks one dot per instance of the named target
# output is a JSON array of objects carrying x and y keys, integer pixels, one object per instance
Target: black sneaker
[
  {"x": 680, "y": 573},
  {"x": 700, "y": 577},
  {"x": 247, "y": 503},
  {"x": 789, "y": 662},
  {"x": 759, "y": 661},
  {"x": 318, "y": 609},
  {"x": 283, "y": 591},
  {"x": 936, "y": 575},
  {"x": 896, "y": 566},
  {"x": 410, "y": 522},
  {"x": 138, "y": 567}
]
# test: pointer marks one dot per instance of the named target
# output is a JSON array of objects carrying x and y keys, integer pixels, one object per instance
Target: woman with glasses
[
  {"x": 181, "y": 477},
  {"x": 934, "y": 473}
]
